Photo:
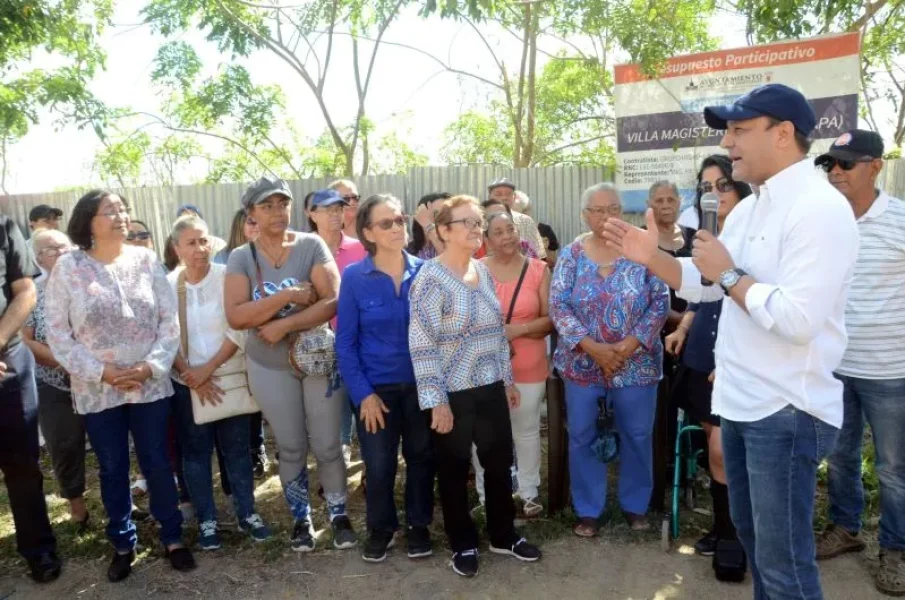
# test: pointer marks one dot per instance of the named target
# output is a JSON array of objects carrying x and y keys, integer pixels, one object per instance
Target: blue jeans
[
  {"x": 882, "y": 403},
  {"x": 634, "y": 409},
  {"x": 108, "y": 431},
  {"x": 380, "y": 451},
  {"x": 771, "y": 469},
  {"x": 347, "y": 420},
  {"x": 197, "y": 443},
  {"x": 19, "y": 453}
]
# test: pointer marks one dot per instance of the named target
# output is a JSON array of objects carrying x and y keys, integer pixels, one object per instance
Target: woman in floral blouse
[
  {"x": 461, "y": 359},
  {"x": 609, "y": 312},
  {"x": 112, "y": 325}
]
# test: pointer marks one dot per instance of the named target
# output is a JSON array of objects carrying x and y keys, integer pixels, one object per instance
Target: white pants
[{"x": 526, "y": 435}]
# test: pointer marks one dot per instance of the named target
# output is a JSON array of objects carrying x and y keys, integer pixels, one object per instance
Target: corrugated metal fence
[{"x": 554, "y": 193}]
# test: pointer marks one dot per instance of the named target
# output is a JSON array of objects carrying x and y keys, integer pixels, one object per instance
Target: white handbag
[{"x": 231, "y": 377}]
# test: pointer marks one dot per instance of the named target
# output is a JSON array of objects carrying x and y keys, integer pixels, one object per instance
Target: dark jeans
[
  {"x": 380, "y": 452},
  {"x": 880, "y": 402},
  {"x": 771, "y": 468},
  {"x": 19, "y": 453},
  {"x": 108, "y": 431},
  {"x": 64, "y": 431},
  {"x": 255, "y": 447},
  {"x": 197, "y": 443},
  {"x": 481, "y": 417}
]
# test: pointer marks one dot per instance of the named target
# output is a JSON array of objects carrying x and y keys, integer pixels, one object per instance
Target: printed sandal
[
  {"x": 586, "y": 527},
  {"x": 891, "y": 576},
  {"x": 532, "y": 508}
]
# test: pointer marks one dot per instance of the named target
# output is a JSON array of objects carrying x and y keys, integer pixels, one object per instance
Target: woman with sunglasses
[
  {"x": 63, "y": 428},
  {"x": 112, "y": 325},
  {"x": 139, "y": 235},
  {"x": 609, "y": 312},
  {"x": 373, "y": 353},
  {"x": 267, "y": 293},
  {"x": 462, "y": 366},
  {"x": 694, "y": 340}
]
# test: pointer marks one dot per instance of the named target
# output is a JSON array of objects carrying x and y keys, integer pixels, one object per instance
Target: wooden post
[{"x": 557, "y": 447}]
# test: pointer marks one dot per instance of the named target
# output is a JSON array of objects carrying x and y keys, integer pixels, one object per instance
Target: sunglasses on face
[
  {"x": 387, "y": 224},
  {"x": 828, "y": 163},
  {"x": 722, "y": 185},
  {"x": 351, "y": 198},
  {"x": 141, "y": 236}
]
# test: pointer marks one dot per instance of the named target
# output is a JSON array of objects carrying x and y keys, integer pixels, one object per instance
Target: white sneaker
[{"x": 347, "y": 455}]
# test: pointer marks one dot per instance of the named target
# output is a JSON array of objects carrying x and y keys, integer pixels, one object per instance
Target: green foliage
[{"x": 479, "y": 138}]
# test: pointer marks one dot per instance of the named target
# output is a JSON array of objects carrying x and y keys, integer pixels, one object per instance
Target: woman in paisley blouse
[
  {"x": 464, "y": 375},
  {"x": 112, "y": 325},
  {"x": 63, "y": 428},
  {"x": 609, "y": 312}
]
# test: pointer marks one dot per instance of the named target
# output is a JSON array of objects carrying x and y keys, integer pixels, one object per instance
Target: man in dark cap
[
  {"x": 44, "y": 217},
  {"x": 784, "y": 262},
  {"x": 503, "y": 190},
  {"x": 873, "y": 367}
]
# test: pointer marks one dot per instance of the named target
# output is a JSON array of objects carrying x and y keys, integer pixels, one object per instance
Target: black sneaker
[
  {"x": 259, "y": 466},
  {"x": 465, "y": 563},
  {"x": 120, "y": 566},
  {"x": 302, "y": 539},
  {"x": 376, "y": 547},
  {"x": 419, "y": 542},
  {"x": 181, "y": 559},
  {"x": 45, "y": 568},
  {"x": 706, "y": 546},
  {"x": 522, "y": 550},
  {"x": 343, "y": 535}
]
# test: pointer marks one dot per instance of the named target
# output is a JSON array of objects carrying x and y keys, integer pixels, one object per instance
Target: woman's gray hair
[
  {"x": 187, "y": 222},
  {"x": 604, "y": 186},
  {"x": 662, "y": 183},
  {"x": 363, "y": 217}
]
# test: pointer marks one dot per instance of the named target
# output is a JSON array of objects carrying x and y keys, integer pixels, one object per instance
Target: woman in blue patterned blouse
[
  {"x": 464, "y": 377},
  {"x": 609, "y": 312}
]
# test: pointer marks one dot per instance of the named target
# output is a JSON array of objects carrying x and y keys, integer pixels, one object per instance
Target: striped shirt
[
  {"x": 456, "y": 334},
  {"x": 875, "y": 312}
]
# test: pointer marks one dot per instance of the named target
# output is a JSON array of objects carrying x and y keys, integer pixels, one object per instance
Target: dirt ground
[{"x": 571, "y": 568}]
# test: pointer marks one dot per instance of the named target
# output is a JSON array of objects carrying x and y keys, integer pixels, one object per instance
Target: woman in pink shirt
[
  {"x": 527, "y": 326},
  {"x": 325, "y": 209}
]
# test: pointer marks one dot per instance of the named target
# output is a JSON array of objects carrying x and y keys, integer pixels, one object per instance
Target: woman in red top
[{"x": 527, "y": 326}]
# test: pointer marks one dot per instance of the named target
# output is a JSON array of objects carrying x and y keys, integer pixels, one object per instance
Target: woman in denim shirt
[
  {"x": 609, "y": 312},
  {"x": 373, "y": 352}
]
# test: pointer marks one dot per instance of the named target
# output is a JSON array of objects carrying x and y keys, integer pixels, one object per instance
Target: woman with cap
[
  {"x": 694, "y": 341},
  {"x": 609, "y": 312},
  {"x": 373, "y": 353},
  {"x": 285, "y": 282},
  {"x": 325, "y": 210},
  {"x": 112, "y": 325},
  {"x": 462, "y": 367}
]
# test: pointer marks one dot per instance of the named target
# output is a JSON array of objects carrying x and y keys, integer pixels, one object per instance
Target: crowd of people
[{"x": 439, "y": 335}]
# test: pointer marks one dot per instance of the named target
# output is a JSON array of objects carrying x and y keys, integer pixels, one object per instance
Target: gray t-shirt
[{"x": 308, "y": 250}]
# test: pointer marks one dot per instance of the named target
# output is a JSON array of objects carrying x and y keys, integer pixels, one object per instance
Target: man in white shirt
[
  {"x": 873, "y": 367},
  {"x": 785, "y": 260}
]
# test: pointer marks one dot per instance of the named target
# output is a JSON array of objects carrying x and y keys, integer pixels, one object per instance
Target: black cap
[
  {"x": 855, "y": 144},
  {"x": 43, "y": 211},
  {"x": 502, "y": 182},
  {"x": 771, "y": 100},
  {"x": 264, "y": 188}
]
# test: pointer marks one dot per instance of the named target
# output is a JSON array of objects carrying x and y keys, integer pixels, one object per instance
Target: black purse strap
[
  {"x": 258, "y": 273},
  {"x": 518, "y": 287}
]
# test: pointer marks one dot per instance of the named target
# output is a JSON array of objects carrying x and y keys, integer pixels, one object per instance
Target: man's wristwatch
[{"x": 730, "y": 278}]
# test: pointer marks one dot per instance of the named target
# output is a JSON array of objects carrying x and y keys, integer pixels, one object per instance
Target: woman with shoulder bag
[
  {"x": 523, "y": 288},
  {"x": 211, "y": 396},
  {"x": 283, "y": 287}
]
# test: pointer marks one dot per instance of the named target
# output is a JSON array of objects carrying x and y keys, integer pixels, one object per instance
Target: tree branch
[
  {"x": 572, "y": 145},
  {"x": 323, "y": 76},
  {"x": 870, "y": 11}
]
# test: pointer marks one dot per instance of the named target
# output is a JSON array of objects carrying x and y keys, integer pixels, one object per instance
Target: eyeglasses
[
  {"x": 141, "y": 236},
  {"x": 470, "y": 223},
  {"x": 613, "y": 210},
  {"x": 113, "y": 213},
  {"x": 722, "y": 185},
  {"x": 387, "y": 224},
  {"x": 54, "y": 250},
  {"x": 828, "y": 163},
  {"x": 352, "y": 198},
  {"x": 272, "y": 207}
]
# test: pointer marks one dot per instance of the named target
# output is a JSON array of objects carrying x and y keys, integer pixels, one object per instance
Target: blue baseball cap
[
  {"x": 771, "y": 100},
  {"x": 326, "y": 197},
  {"x": 189, "y": 207}
]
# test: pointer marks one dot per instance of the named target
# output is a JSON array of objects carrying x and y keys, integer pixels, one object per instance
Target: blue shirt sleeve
[{"x": 348, "y": 339}]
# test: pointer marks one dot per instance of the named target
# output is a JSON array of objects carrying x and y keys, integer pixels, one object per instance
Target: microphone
[{"x": 710, "y": 203}]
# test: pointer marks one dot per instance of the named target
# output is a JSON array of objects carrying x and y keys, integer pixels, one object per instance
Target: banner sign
[{"x": 660, "y": 128}]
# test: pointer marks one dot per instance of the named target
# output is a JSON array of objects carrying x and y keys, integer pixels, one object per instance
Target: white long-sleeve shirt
[{"x": 799, "y": 241}]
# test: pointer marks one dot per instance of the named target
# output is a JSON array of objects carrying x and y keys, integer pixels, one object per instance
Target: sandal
[
  {"x": 891, "y": 576},
  {"x": 139, "y": 487},
  {"x": 532, "y": 508},
  {"x": 637, "y": 522},
  {"x": 586, "y": 527}
]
